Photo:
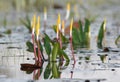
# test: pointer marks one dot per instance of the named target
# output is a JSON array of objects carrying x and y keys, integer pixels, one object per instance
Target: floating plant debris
[{"x": 14, "y": 48}]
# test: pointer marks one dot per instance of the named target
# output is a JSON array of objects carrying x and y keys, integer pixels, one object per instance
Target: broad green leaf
[
  {"x": 47, "y": 45},
  {"x": 75, "y": 36},
  {"x": 48, "y": 38}
]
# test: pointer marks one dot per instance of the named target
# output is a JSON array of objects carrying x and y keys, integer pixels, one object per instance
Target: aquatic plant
[
  {"x": 71, "y": 45},
  {"x": 81, "y": 37},
  {"x": 117, "y": 41},
  {"x": 101, "y": 34},
  {"x": 52, "y": 49},
  {"x": 52, "y": 70},
  {"x": 103, "y": 57},
  {"x": 27, "y": 23}
]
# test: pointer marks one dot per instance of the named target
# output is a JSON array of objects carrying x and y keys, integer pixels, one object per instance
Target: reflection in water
[{"x": 52, "y": 69}]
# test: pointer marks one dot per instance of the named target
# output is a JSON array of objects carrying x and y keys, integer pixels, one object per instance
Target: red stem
[
  {"x": 34, "y": 47},
  {"x": 39, "y": 52},
  {"x": 72, "y": 49},
  {"x": 60, "y": 41}
]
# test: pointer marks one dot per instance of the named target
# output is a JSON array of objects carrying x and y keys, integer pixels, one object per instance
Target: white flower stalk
[
  {"x": 67, "y": 12},
  {"x": 45, "y": 14},
  {"x": 63, "y": 27}
]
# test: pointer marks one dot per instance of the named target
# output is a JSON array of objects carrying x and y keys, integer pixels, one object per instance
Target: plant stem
[
  {"x": 44, "y": 26},
  {"x": 34, "y": 47},
  {"x": 39, "y": 52},
  {"x": 72, "y": 49}
]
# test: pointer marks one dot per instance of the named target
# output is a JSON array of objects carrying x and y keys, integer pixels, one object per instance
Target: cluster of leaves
[
  {"x": 81, "y": 36},
  {"x": 52, "y": 48}
]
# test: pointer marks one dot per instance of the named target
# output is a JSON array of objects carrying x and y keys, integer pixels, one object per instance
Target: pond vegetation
[{"x": 62, "y": 49}]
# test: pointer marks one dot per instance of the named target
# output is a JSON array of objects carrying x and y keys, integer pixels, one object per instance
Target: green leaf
[
  {"x": 55, "y": 51},
  {"x": 64, "y": 39},
  {"x": 101, "y": 35},
  {"x": 87, "y": 26},
  {"x": 48, "y": 38},
  {"x": 55, "y": 28},
  {"x": 30, "y": 46},
  {"x": 75, "y": 36},
  {"x": 87, "y": 33},
  {"x": 47, "y": 45},
  {"x": 47, "y": 71},
  {"x": 27, "y": 23},
  {"x": 61, "y": 52},
  {"x": 81, "y": 33}
]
